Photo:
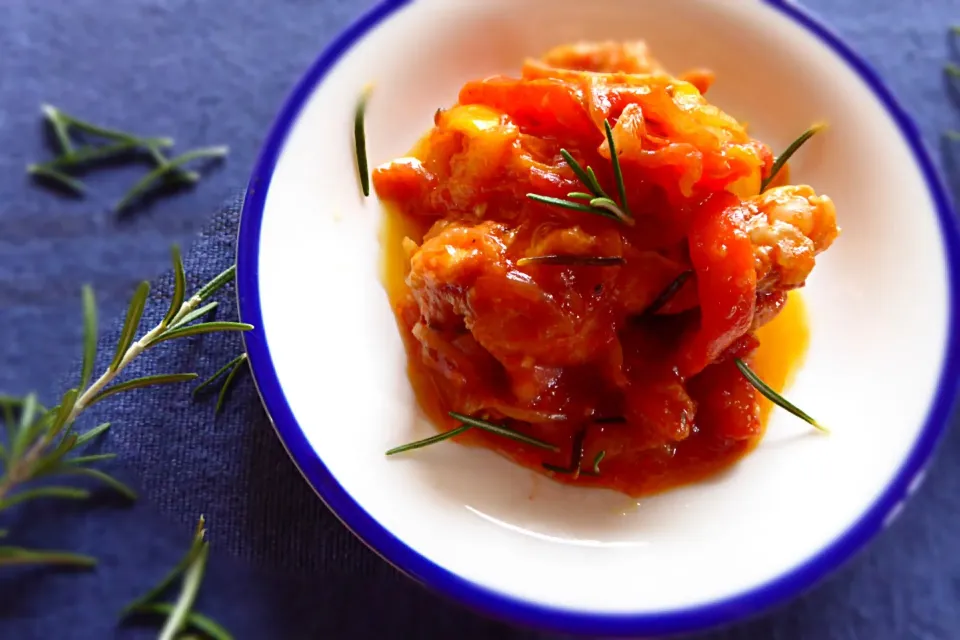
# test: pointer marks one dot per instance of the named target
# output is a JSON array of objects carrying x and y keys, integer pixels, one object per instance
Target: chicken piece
[
  {"x": 461, "y": 277},
  {"x": 789, "y": 226},
  {"x": 449, "y": 262}
]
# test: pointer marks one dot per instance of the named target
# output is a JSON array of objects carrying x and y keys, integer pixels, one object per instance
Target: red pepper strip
[
  {"x": 542, "y": 108},
  {"x": 726, "y": 403},
  {"x": 722, "y": 256}
]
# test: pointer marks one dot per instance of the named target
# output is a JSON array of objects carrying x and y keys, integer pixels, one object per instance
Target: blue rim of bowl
[{"x": 537, "y": 615}]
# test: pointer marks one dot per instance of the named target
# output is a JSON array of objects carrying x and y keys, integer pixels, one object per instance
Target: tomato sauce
[{"x": 637, "y": 391}]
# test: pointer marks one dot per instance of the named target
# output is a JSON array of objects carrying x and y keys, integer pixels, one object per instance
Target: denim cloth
[{"x": 281, "y": 565}]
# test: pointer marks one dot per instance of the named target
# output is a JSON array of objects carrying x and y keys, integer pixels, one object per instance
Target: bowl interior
[{"x": 877, "y": 303}]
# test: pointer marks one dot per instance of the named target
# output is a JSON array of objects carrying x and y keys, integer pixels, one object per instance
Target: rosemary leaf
[
  {"x": 40, "y": 427},
  {"x": 360, "y": 139},
  {"x": 193, "y": 315},
  {"x": 50, "y": 463},
  {"x": 138, "y": 383},
  {"x": 426, "y": 442},
  {"x": 63, "y": 413},
  {"x": 89, "y": 336},
  {"x": 667, "y": 294},
  {"x": 68, "y": 182},
  {"x": 502, "y": 431},
  {"x": 594, "y": 184},
  {"x": 84, "y": 438},
  {"x": 66, "y": 493},
  {"x": 206, "y": 383},
  {"x": 589, "y": 180},
  {"x": 84, "y": 155},
  {"x": 784, "y": 157},
  {"x": 576, "y": 457},
  {"x": 131, "y": 324},
  {"x": 179, "y": 286},
  {"x": 214, "y": 285},
  {"x": 559, "y": 202},
  {"x": 200, "y": 329},
  {"x": 222, "y": 397},
  {"x": 174, "y": 173},
  {"x": 9, "y": 405},
  {"x": 20, "y": 438},
  {"x": 775, "y": 397},
  {"x": 103, "y": 132},
  {"x": 952, "y": 70},
  {"x": 192, "y": 578},
  {"x": 94, "y": 457},
  {"x": 102, "y": 477},
  {"x": 597, "y": 460},
  {"x": 607, "y": 204},
  {"x": 617, "y": 170},
  {"x": 90, "y": 154},
  {"x": 580, "y": 195},
  {"x": 52, "y": 114},
  {"x": 195, "y": 545},
  {"x": 579, "y": 261},
  {"x": 21, "y": 556},
  {"x": 573, "y": 206},
  {"x": 195, "y": 620},
  {"x": 147, "y": 182},
  {"x": 28, "y": 411}
]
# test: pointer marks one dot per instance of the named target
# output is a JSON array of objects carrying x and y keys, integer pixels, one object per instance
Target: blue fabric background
[{"x": 282, "y": 567}]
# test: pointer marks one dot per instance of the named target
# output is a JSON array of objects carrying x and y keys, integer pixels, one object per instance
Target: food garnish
[
  {"x": 770, "y": 394},
  {"x": 360, "y": 139},
  {"x": 468, "y": 423},
  {"x": 599, "y": 202},
  {"x": 784, "y": 157}
]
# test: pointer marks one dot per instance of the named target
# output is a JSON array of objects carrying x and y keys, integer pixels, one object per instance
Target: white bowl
[{"x": 330, "y": 366}]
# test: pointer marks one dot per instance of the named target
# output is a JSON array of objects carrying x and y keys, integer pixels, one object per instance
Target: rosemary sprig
[
  {"x": 598, "y": 202},
  {"x": 231, "y": 369},
  {"x": 573, "y": 261},
  {"x": 775, "y": 397},
  {"x": 360, "y": 139},
  {"x": 42, "y": 443},
  {"x": 10, "y": 556},
  {"x": 73, "y": 158},
  {"x": 468, "y": 423},
  {"x": 180, "y": 615},
  {"x": 784, "y": 157},
  {"x": 667, "y": 294}
]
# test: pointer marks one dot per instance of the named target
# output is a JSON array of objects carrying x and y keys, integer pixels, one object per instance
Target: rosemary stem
[
  {"x": 135, "y": 350},
  {"x": 19, "y": 470}
]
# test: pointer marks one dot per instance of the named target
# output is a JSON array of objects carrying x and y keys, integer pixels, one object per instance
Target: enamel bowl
[{"x": 331, "y": 368}]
